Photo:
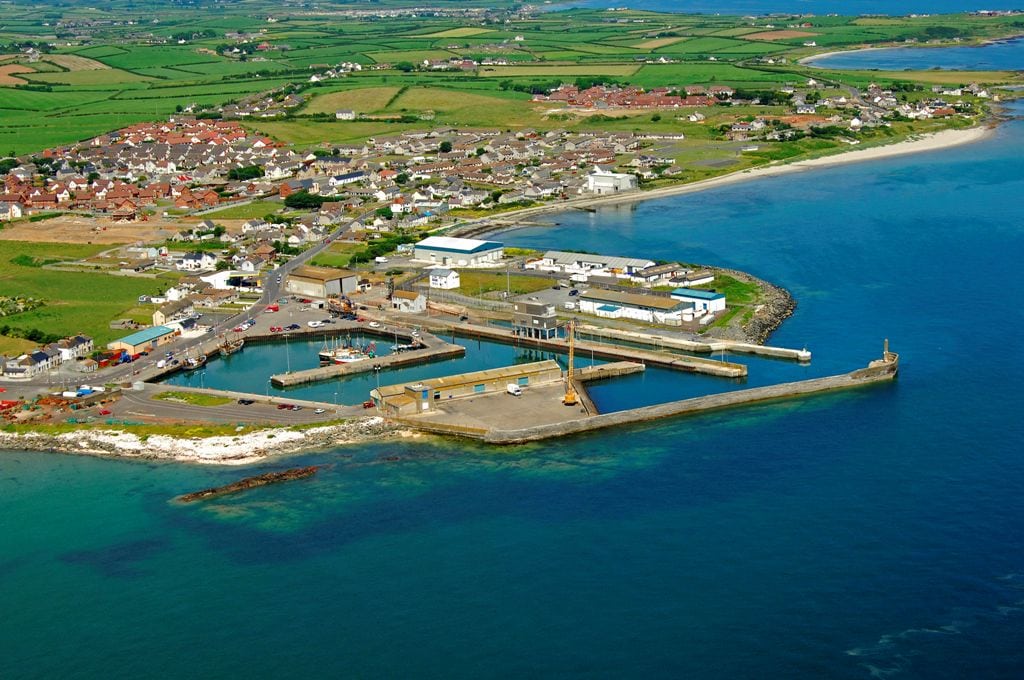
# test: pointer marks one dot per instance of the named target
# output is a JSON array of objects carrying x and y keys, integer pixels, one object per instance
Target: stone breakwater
[
  {"x": 777, "y": 305},
  {"x": 240, "y": 449}
]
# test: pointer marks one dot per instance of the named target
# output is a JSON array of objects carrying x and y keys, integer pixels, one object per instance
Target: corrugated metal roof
[
  {"x": 457, "y": 245},
  {"x": 638, "y": 300},
  {"x": 145, "y": 335},
  {"x": 563, "y": 257},
  {"x": 696, "y": 294}
]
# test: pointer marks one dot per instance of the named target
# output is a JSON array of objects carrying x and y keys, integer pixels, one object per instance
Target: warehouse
[
  {"x": 448, "y": 251},
  {"x": 145, "y": 340},
  {"x": 321, "y": 282},
  {"x": 610, "y": 304}
]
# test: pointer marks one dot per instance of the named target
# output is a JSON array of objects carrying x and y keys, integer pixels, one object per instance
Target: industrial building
[
  {"x": 448, "y": 251},
  {"x": 611, "y": 304},
  {"x": 603, "y": 182},
  {"x": 145, "y": 340},
  {"x": 704, "y": 301},
  {"x": 534, "y": 320},
  {"x": 321, "y": 282},
  {"x": 410, "y": 399},
  {"x": 580, "y": 266}
]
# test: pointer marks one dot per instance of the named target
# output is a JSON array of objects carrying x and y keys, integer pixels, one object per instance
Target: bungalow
[{"x": 408, "y": 301}]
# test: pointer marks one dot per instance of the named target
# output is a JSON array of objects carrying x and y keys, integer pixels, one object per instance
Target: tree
[
  {"x": 385, "y": 212},
  {"x": 401, "y": 178},
  {"x": 303, "y": 200},
  {"x": 655, "y": 118},
  {"x": 405, "y": 66},
  {"x": 445, "y": 147}
]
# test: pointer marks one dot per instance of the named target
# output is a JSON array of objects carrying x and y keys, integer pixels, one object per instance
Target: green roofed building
[{"x": 145, "y": 340}]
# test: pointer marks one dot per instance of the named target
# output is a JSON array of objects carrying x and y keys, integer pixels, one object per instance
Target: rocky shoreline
[
  {"x": 244, "y": 449},
  {"x": 776, "y": 306}
]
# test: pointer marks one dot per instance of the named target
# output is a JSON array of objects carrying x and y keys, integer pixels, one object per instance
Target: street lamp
[{"x": 335, "y": 403}]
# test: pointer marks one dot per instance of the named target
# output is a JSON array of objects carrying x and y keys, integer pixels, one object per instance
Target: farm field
[
  {"x": 362, "y": 100},
  {"x": 75, "y": 301}
]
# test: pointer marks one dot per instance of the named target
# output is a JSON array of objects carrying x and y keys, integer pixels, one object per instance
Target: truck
[{"x": 514, "y": 390}]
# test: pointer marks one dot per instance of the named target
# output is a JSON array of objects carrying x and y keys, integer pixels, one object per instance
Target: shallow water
[{"x": 997, "y": 56}]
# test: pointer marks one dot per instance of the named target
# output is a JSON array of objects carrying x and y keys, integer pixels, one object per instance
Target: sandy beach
[{"x": 935, "y": 141}]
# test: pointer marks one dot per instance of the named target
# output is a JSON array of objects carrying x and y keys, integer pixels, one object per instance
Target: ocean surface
[
  {"x": 761, "y": 7},
  {"x": 997, "y": 56},
  {"x": 875, "y": 533}
]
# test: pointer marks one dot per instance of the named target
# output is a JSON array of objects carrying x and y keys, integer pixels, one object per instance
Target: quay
[
  {"x": 434, "y": 349},
  {"x": 709, "y": 347},
  {"x": 538, "y": 414},
  {"x": 722, "y": 369}
]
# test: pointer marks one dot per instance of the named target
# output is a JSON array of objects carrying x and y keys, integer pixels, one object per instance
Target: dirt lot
[
  {"x": 82, "y": 229},
  {"x": 102, "y": 230},
  {"x": 778, "y": 35},
  {"x": 7, "y": 74}
]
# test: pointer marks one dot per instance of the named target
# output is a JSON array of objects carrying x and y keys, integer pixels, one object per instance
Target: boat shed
[{"x": 321, "y": 282}]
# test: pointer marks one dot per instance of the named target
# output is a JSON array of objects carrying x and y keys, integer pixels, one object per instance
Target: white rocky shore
[{"x": 240, "y": 449}]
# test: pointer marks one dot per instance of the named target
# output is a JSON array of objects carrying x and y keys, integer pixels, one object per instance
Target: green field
[
  {"x": 339, "y": 255},
  {"x": 76, "y": 302},
  {"x": 477, "y": 283},
  {"x": 193, "y": 398},
  {"x": 249, "y": 211}
]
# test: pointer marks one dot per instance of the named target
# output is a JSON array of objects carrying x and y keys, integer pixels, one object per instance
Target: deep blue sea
[{"x": 876, "y": 533}]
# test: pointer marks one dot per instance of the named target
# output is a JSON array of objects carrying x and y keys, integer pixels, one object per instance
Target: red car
[
  {"x": 368, "y": 403},
  {"x": 105, "y": 412},
  {"x": 281, "y": 407}
]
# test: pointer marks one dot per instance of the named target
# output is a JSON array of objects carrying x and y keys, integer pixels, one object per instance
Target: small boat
[
  {"x": 406, "y": 348},
  {"x": 193, "y": 363},
  {"x": 229, "y": 347}
]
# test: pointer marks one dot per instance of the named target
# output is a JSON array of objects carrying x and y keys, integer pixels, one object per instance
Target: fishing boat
[
  {"x": 229, "y": 347},
  {"x": 193, "y": 363},
  {"x": 346, "y": 354},
  {"x": 406, "y": 348}
]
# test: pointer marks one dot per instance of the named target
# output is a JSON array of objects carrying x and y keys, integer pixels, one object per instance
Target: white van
[
  {"x": 514, "y": 390},
  {"x": 380, "y": 260}
]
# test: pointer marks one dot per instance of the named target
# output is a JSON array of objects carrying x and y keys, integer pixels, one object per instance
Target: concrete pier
[
  {"x": 435, "y": 350},
  {"x": 722, "y": 369},
  {"x": 709, "y": 346}
]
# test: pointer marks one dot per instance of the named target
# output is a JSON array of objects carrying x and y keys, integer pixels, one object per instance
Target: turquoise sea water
[{"x": 869, "y": 534}]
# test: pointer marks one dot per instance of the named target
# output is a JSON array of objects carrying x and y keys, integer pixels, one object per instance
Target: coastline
[
  {"x": 253, "y": 447},
  {"x": 810, "y": 59},
  {"x": 933, "y": 141}
]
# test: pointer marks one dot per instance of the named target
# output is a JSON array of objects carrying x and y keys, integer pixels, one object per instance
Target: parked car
[
  {"x": 293, "y": 327},
  {"x": 374, "y": 324},
  {"x": 246, "y": 402},
  {"x": 314, "y": 324},
  {"x": 319, "y": 411},
  {"x": 368, "y": 403},
  {"x": 105, "y": 411},
  {"x": 282, "y": 407},
  {"x": 296, "y": 407},
  {"x": 574, "y": 292}
]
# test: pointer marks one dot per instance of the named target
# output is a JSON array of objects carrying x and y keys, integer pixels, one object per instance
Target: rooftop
[
  {"x": 697, "y": 294},
  {"x": 457, "y": 245},
  {"x": 145, "y": 335},
  {"x": 633, "y": 299},
  {"x": 320, "y": 273}
]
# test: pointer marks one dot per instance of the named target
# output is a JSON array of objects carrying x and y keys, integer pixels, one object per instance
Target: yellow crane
[{"x": 570, "y": 398}]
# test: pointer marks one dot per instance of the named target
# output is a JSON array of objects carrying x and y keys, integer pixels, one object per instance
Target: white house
[
  {"x": 604, "y": 182},
  {"x": 408, "y": 302},
  {"x": 196, "y": 262},
  {"x": 444, "y": 279},
  {"x": 704, "y": 301},
  {"x": 345, "y": 114},
  {"x": 10, "y": 211},
  {"x": 461, "y": 252}
]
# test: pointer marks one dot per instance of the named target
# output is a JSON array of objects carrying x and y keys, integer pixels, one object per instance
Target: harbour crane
[{"x": 570, "y": 398}]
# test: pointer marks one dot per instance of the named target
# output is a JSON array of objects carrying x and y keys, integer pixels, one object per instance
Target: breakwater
[
  {"x": 709, "y": 346},
  {"x": 879, "y": 371}
]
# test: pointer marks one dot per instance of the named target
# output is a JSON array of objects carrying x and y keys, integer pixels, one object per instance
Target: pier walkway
[{"x": 709, "y": 346}]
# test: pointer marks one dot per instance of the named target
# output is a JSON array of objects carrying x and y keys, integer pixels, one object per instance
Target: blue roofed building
[
  {"x": 705, "y": 301},
  {"x": 448, "y": 251}
]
